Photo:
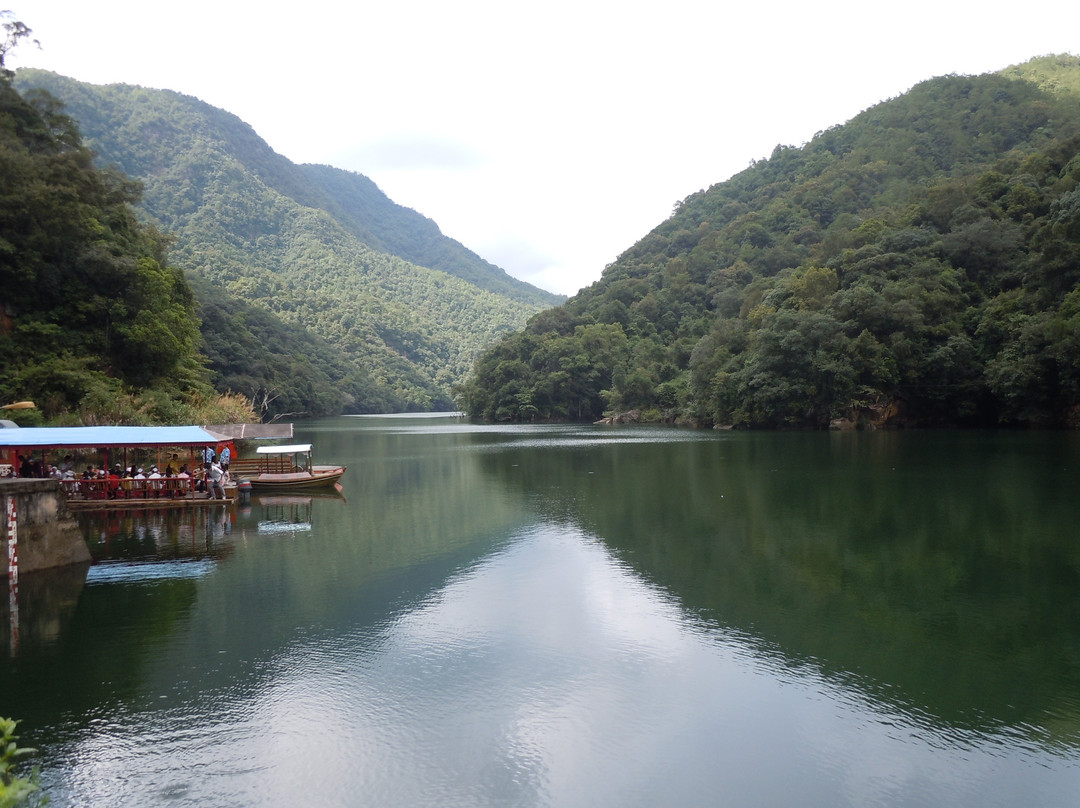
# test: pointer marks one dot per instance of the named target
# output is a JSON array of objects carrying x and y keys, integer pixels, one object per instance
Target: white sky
[{"x": 546, "y": 138}]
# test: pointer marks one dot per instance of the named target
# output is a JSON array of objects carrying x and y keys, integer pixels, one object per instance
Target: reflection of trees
[
  {"x": 416, "y": 510},
  {"x": 94, "y": 656},
  {"x": 407, "y": 501},
  {"x": 95, "y": 642},
  {"x": 937, "y": 570},
  {"x": 44, "y": 602},
  {"x": 409, "y": 521}
]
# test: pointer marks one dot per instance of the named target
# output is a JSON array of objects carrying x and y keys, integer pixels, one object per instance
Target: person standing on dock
[{"x": 216, "y": 478}]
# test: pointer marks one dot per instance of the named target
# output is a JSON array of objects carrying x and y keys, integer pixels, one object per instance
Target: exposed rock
[
  {"x": 879, "y": 415},
  {"x": 631, "y": 417}
]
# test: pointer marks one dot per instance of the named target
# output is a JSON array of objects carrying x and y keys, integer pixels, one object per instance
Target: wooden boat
[{"x": 285, "y": 467}]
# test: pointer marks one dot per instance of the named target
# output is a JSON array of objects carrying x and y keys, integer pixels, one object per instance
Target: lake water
[{"x": 578, "y": 616}]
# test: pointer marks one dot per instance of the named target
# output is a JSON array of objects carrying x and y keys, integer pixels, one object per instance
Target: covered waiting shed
[{"x": 28, "y": 441}]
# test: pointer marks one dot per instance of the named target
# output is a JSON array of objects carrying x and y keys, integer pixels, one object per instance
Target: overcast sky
[{"x": 548, "y": 138}]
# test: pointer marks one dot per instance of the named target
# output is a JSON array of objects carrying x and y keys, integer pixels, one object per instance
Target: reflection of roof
[
  {"x": 96, "y": 437},
  {"x": 300, "y": 447},
  {"x": 282, "y": 527}
]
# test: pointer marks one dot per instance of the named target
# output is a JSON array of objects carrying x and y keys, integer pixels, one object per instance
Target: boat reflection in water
[{"x": 284, "y": 513}]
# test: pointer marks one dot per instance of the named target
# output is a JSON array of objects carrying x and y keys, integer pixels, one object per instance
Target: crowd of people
[{"x": 210, "y": 478}]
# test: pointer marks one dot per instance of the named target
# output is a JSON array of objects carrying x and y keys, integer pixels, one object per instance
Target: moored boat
[{"x": 285, "y": 467}]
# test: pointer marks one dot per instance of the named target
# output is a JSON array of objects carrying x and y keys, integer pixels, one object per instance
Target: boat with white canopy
[{"x": 285, "y": 467}]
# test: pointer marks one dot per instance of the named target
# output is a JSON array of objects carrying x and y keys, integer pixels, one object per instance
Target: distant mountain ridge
[
  {"x": 918, "y": 265},
  {"x": 322, "y": 249},
  {"x": 110, "y": 125}
]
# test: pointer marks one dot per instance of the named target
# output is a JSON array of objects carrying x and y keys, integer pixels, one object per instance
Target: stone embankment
[{"x": 47, "y": 533}]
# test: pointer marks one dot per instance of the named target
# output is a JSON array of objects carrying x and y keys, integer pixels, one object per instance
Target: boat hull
[{"x": 318, "y": 478}]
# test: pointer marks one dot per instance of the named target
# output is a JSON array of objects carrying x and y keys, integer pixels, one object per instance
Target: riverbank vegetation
[
  {"x": 918, "y": 265},
  {"x": 15, "y": 788}
]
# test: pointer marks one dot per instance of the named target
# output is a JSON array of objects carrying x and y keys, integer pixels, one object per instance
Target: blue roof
[{"x": 100, "y": 436}]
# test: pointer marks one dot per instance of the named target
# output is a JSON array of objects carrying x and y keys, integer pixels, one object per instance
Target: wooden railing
[
  {"x": 251, "y": 466},
  {"x": 244, "y": 467},
  {"x": 126, "y": 488}
]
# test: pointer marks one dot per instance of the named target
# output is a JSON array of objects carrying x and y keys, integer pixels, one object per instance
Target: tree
[
  {"x": 15, "y": 32},
  {"x": 798, "y": 371}
]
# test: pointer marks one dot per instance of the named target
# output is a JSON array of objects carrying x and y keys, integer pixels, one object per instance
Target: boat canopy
[
  {"x": 100, "y": 437},
  {"x": 300, "y": 447}
]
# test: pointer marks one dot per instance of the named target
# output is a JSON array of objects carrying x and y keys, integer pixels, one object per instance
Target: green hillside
[
  {"x": 371, "y": 305},
  {"x": 917, "y": 265},
  {"x": 92, "y": 317}
]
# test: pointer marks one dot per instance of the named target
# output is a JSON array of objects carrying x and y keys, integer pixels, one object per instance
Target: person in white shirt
[
  {"x": 216, "y": 478},
  {"x": 183, "y": 481},
  {"x": 154, "y": 478}
]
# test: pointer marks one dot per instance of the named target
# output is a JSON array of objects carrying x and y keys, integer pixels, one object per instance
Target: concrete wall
[{"x": 48, "y": 534}]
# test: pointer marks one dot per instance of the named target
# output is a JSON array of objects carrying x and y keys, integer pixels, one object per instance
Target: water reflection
[
  {"x": 136, "y": 572},
  {"x": 547, "y": 673},
  {"x": 935, "y": 571},
  {"x": 284, "y": 513},
  {"x": 576, "y": 616},
  {"x": 36, "y": 612},
  {"x": 157, "y": 534}
]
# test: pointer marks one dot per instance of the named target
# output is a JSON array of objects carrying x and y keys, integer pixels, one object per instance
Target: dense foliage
[
  {"x": 917, "y": 265},
  {"x": 92, "y": 318},
  {"x": 323, "y": 296},
  {"x": 287, "y": 370},
  {"x": 16, "y": 789}
]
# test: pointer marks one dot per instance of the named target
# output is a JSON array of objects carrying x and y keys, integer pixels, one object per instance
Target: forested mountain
[
  {"x": 321, "y": 295},
  {"x": 917, "y": 265},
  {"x": 93, "y": 320}
]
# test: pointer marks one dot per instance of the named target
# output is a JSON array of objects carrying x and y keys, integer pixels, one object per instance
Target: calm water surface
[{"x": 578, "y": 616}]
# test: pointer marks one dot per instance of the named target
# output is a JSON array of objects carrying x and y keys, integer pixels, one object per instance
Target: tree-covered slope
[
  {"x": 91, "y": 315},
  {"x": 142, "y": 131},
  {"x": 916, "y": 265},
  {"x": 322, "y": 250}
]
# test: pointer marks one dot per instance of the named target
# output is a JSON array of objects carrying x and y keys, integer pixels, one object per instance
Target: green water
[{"x": 578, "y": 616}]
